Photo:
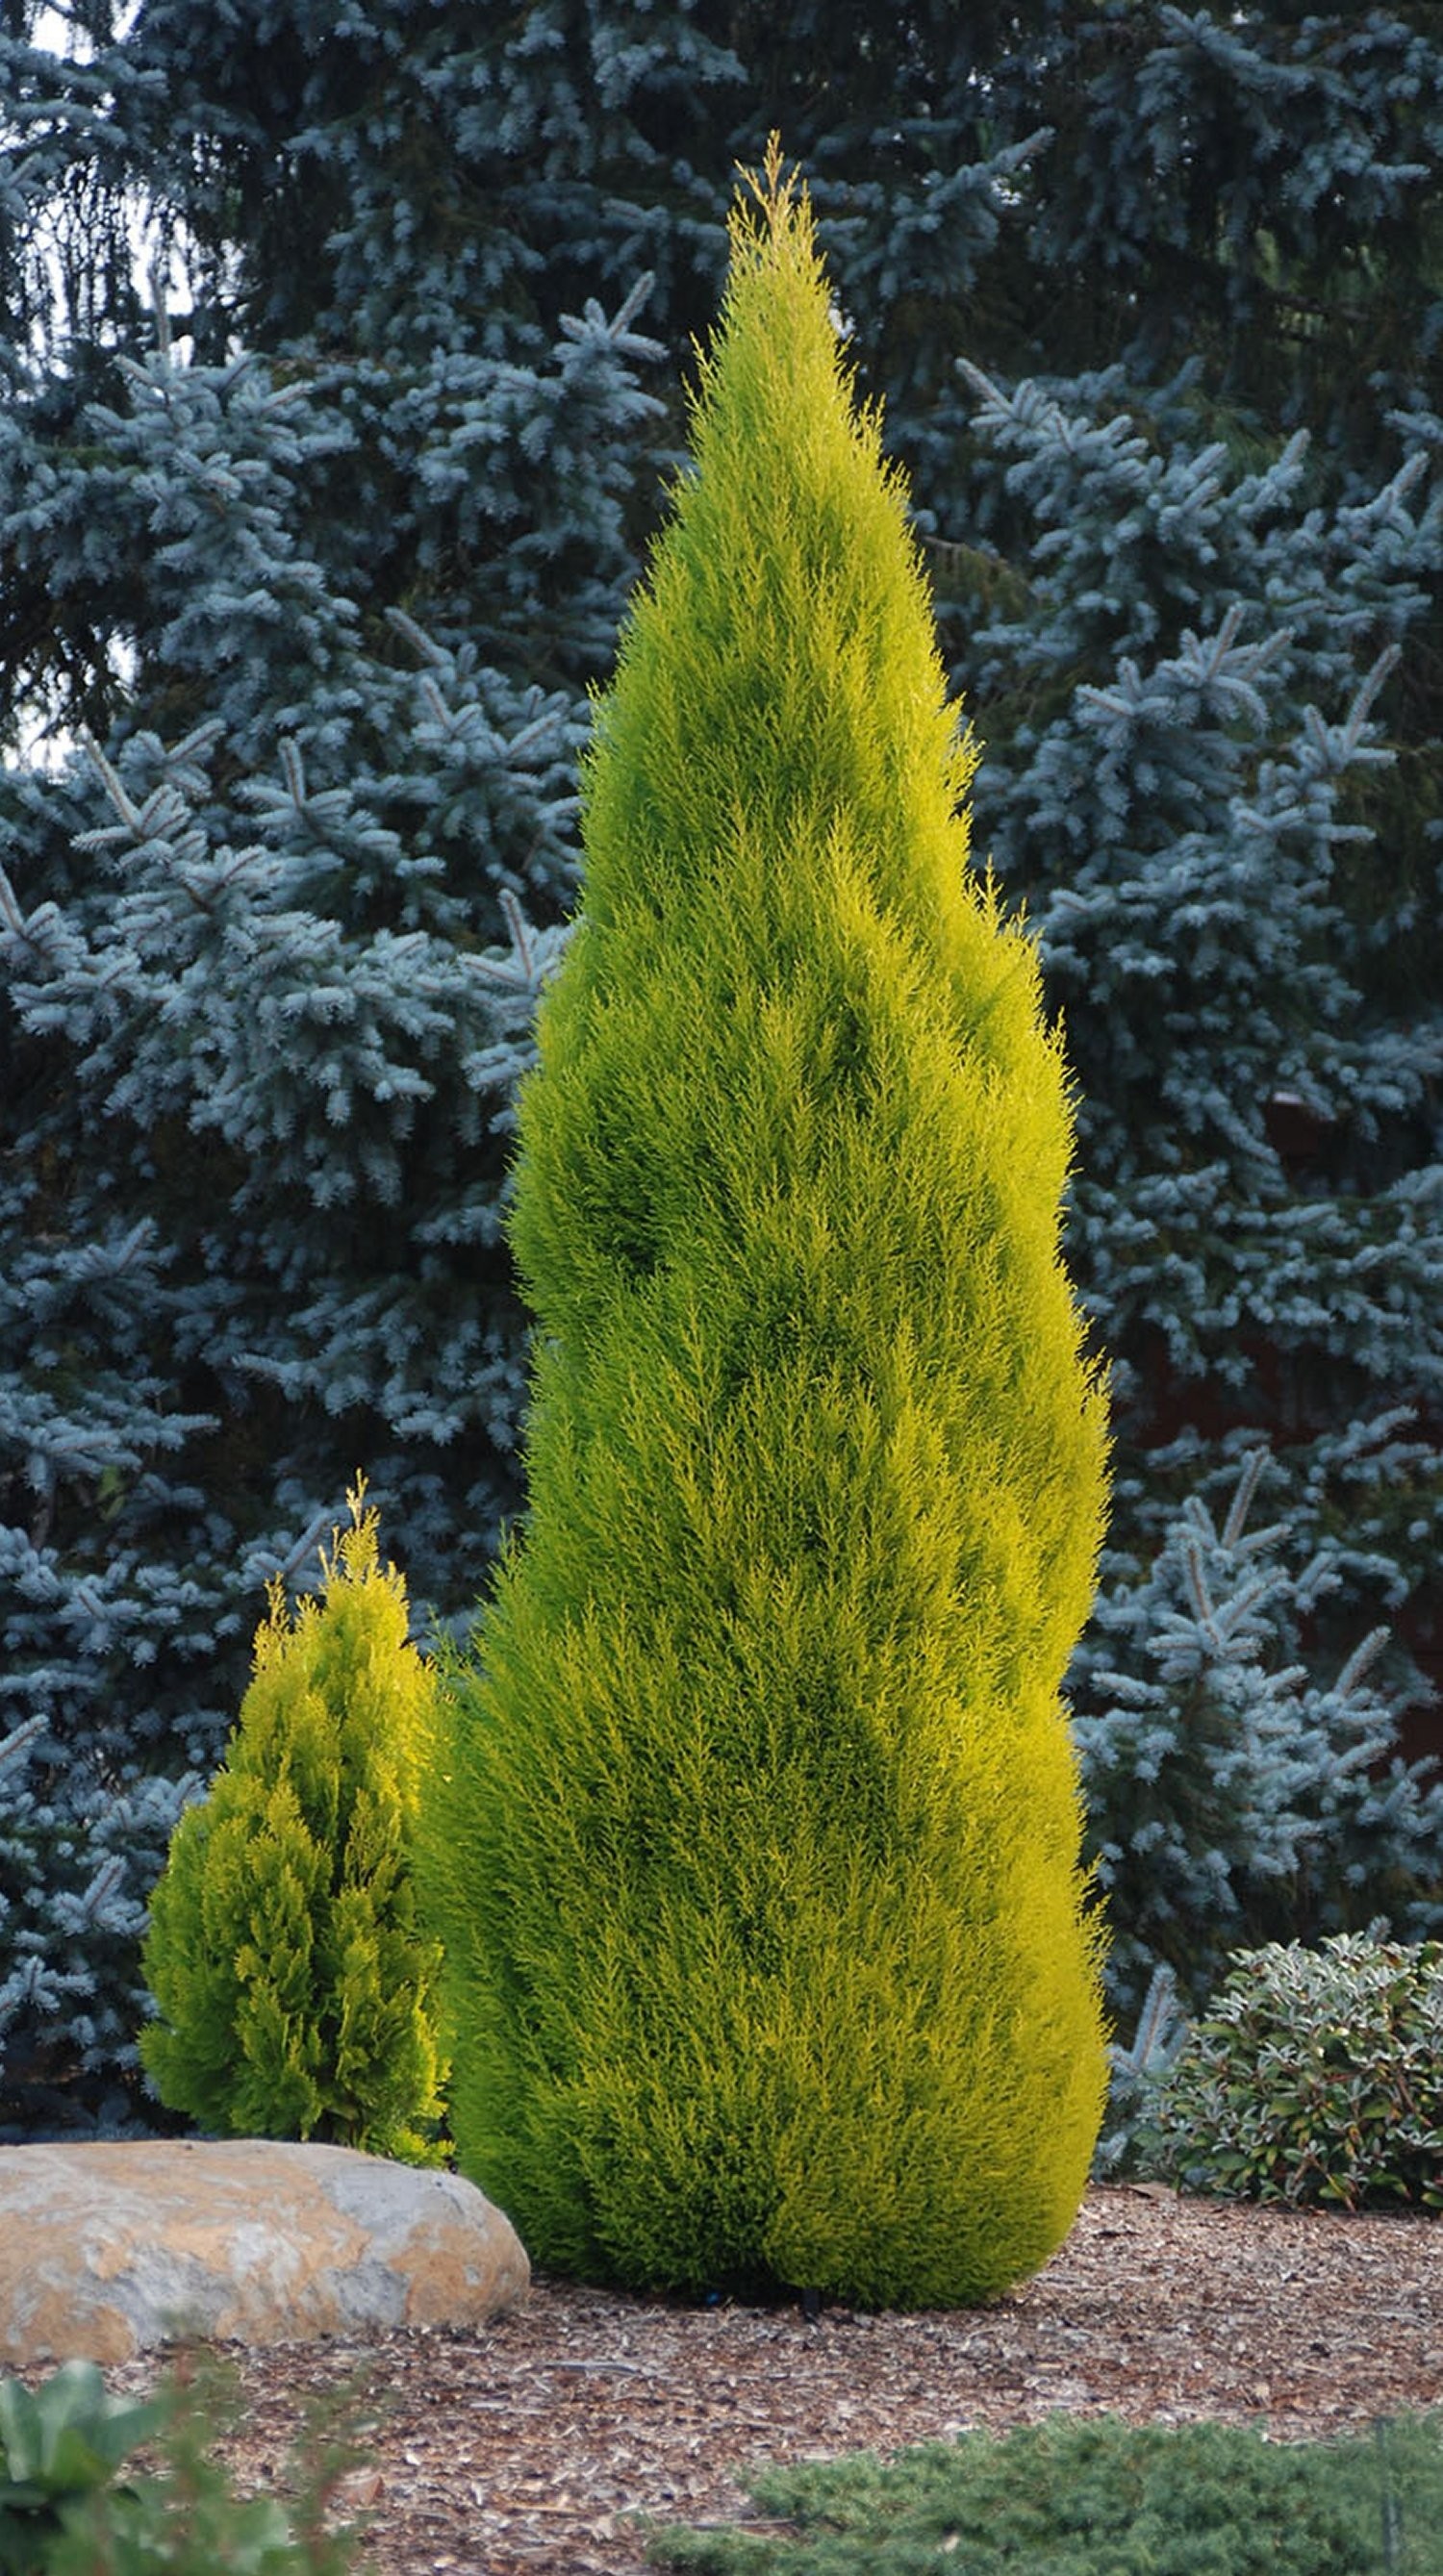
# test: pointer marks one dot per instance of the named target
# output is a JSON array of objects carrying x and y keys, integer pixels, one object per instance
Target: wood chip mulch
[{"x": 532, "y": 2444}]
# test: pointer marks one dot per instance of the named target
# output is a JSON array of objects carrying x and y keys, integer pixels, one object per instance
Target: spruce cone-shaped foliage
[
  {"x": 295, "y": 1988},
  {"x": 753, "y": 1834}
]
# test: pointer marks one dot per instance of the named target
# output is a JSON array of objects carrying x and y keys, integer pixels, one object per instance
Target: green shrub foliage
[
  {"x": 1094, "y": 2497},
  {"x": 63, "y": 2511},
  {"x": 1316, "y": 2076},
  {"x": 58, "y": 2443},
  {"x": 754, "y": 1838},
  {"x": 294, "y": 1984}
]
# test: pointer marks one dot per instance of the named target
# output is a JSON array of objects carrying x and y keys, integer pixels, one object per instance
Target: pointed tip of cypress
[
  {"x": 784, "y": 202},
  {"x": 777, "y": 189}
]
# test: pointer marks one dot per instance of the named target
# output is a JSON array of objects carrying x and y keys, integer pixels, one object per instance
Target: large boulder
[{"x": 115, "y": 2244}]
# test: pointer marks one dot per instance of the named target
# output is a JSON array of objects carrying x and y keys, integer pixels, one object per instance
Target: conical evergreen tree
[
  {"x": 752, "y": 1826},
  {"x": 296, "y": 1992}
]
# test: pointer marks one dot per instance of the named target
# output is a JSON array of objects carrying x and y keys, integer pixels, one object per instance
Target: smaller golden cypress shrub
[{"x": 284, "y": 1952}]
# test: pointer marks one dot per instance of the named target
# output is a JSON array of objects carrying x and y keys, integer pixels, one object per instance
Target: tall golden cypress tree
[{"x": 753, "y": 1824}]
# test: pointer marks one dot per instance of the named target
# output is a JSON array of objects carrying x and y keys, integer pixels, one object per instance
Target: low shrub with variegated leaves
[{"x": 1315, "y": 2076}]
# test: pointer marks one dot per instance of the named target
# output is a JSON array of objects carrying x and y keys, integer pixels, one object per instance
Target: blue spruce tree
[
  {"x": 1195, "y": 585},
  {"x": 1236, "y": 1796},
  {"x": 297, "y": 636}
]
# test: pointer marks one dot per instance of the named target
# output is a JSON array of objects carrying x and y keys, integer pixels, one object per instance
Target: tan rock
[{"x": 112, "y": 2245}]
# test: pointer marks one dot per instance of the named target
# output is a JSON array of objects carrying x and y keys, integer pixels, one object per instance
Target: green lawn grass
[{"x": 1096, "y": 2497}]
